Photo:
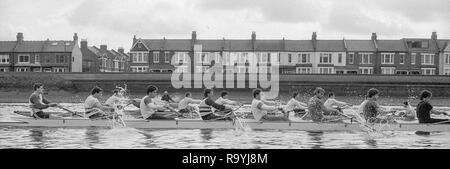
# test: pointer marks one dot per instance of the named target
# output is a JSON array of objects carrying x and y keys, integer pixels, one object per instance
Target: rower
[
  {"x": 333, "y": 103},
  {"x": 167, "y": 98},
  {"x": 39, "y": 103},
  {"x": 294, "y": 105},
  {"x": 207, "y": 105},
  {"x": 223, "y": 100},
  {"x": 371, "y": 110},
  {"x": 409, "y": 114},
  {"x": 115, "y": 99},
  {"x": 260, "y": 108},
  {"x": 317, "y": 109},
  {"x": 184, "y": 106},
  {"x": 149, "y": 106},
  {"x": 93, "y": 107},
  {"x": 424, "y": 109}
]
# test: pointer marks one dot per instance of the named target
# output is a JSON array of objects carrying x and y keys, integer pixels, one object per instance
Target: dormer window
[{"x": 55, "y": 43}]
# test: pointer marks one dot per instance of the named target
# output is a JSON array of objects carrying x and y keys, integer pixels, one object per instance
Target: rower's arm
[
  {"x": 329, "y": 109},
  {"x": 45, "y": 101},
  {"x": 270, "y": 103},
  {"x": 437, "y": 112},
  {"x": 263, "y": 106},
  {"x": 193, "y": 101},
  {"x": 341, "y": 103}
]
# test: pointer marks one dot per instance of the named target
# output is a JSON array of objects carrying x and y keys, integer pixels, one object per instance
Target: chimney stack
[
  {"x": 75, "y": 37},
  {"x": 103, "y": 47},
  {"x": 374, "y": 36},
  {"x": 19, "y": 37},
  {"x": 120, "y": 50},
  {"x": 253, "y": 36},
  {"x": 314, "y": 36},
  {"x": 434, "y": 36},
  {"x": 84, "y": 43},
  {"x": 194, "y": 35}
]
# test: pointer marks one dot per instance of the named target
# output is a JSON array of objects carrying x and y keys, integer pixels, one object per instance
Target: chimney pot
[
  {"x": 374, "y": 36},
  {"x": 434, "y": 36},
  {"x": 194, "y": 35},
  {"x": 19, "y": 36},
  {"x": 253, "y": 35},
  {"x": 75, "y": 37},
  {"x": 104, "y": 47},
  {"x": 314, "y": 36},
  {"x": 120, "y": 50}
]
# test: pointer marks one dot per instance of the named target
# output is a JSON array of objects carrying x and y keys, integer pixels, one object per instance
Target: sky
[{"x": 114, "y": 22}]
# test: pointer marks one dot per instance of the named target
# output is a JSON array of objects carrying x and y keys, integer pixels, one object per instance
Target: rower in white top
[
  {"x": 261, "y": 108},
  {"x": 185, "y": 107},
  {"x": 149, "y": 106},
  {"x": 333, "y": 103},
  {"x": 223, "y": 100},
  {"x": 294, "y": 105}
]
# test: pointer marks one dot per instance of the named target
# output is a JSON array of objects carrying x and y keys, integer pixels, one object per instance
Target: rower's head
[
  {"x": 405, "y": 104},
  {"x": 208, "y": 93},
  {"x": 296, "y": 96},
  {"x": 152, "y": 91},
  {"x": 425, "y": 95},
  {"x": 257, "y": 93},
  {"x": 166, "y": 93},
  {"x": 96, "y": 92},
  {"x": 319, "y": 92},
  {"x": 38, "y": 87},
  {"x": 224, "y": 94},
  {"x": 188, "y": 94},
  {"x": 373, "y": 93},
  {"x": 331, "y": 95}
]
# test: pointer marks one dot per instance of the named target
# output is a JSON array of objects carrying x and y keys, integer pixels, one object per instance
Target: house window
[
  {"x": 4, "y": 69},
  {"x": 139, "y": 57},
  {"x": 4, "y": 58},
  {"x": 366, "y": 58},
  {"x": 166, "y": 57},
  {"x": 304, "y": 70},
  {"x": 47, "y": 70},
  {"x": 428, "y": 71},
  {"x": 447, "y": 58},
  {"x": 388, "y": 70},
  {"x": 304, "y": 58},
  {"x": 366, "y": 70},
  {"x": 326, "y": 70},
  {"x": 325, "y": 58},
  {"x": 243, "y": 57},
  {"x": 139, "y": 68},
  {"x": 264, "y": 69},
  {"x": 134, "y": 56},
  {"x": 340, "y": 58},
  {"x": 351, "y": 58},
  {"x": 24, "y": 59},
  {"x": 116, "y": 64},
  {"x": 447, "y": 71},
  {"x": 200, "y": 69},
  {"x": 56, "y": 69},
  {"x": 21, "y": 69},
  {"x": 402, "y": 58},
  {"x": 289, "y": 58},
  {"x": 387, "y": 58},
  {"x": 155, "y": 57},
  {"x": 427, "y": 59},
  {"x": 36, "y": 58},
  {"x": 265, "y": 58},
  {"x": 181, "y": 69},
  {"x": 60, "y": 59},
  {"x": 241, "y": 69},
  {"x": 413, "y": 58}
]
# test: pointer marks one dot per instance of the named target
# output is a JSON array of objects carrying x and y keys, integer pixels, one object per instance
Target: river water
[{"x": 119, "y": 137}]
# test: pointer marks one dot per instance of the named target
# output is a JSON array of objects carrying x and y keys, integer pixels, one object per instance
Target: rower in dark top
[
  {"x": 167, "y": 98},
  {"x": 39, "y": 103},
  {"x": 208, "y": 104},
  {"x": 424, "y": 109}
]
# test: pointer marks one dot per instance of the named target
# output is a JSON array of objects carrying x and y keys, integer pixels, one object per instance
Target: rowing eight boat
[{"x": 23, "y": 120}]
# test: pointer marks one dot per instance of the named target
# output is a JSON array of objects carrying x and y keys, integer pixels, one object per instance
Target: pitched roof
[
  {"x": 447, "y": 49},
  {"x": 432, "y": 45},
  {"x": 44, "y": 46},
  {"x": 211, "y": 45},
  {"x": 299, "y": 45},
  {"x": 89, "y": 53},
  {"x": 443, "y": 43},
  {"x": 392, "y": 45},
  {"x": 330, "y": 45},
  {"x": 360, "y": 45},
  {"x": 7, "y": 46},
  {"x": 238, "y": 45},
  {"x": 269, "y": 45}
]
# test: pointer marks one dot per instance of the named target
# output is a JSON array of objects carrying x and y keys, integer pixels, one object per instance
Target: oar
[
  {"x": 73, "y": 113},
  {"x": 361, "y": 123}
]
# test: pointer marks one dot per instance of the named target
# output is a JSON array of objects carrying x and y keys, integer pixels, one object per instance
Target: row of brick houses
[
  {"x": 40, "y": 56},
  {"x": 104, "y": 60},
  {"x": 419, "y": 56},
  {"x": 60, "y": 56}
]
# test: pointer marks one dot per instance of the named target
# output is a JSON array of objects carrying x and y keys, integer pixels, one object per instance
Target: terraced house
[
  {"x": 40, "y": 56},
  {"x": 103, "y": 60},
  {"x": 374, "y": 56},
  {"x": 444, "y": 58}
]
